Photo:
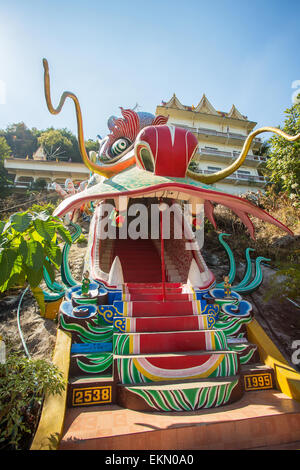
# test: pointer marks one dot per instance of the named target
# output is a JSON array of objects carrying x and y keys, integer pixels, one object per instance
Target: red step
[
  {"x": 132, "y": 276},
  {"x": 172, "y": 323},
  {"x": 136, "y": 296},
  {"x": 174, "y": 341},
  {"x": 139, "y": 259},
  {"x": 172, "y": 366},
  {"x": 152, "y": 285},
  {"x": 159, "y": 308}
]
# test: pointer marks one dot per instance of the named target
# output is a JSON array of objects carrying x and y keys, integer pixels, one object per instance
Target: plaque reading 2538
[{"x": 91, "y": 396}]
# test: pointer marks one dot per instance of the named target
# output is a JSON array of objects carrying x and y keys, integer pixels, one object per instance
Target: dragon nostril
[{"x": 147, "y": 159}]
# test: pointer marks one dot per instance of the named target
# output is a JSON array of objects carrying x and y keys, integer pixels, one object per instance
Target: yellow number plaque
[
  {"x": 258, "y": 381},
  {"x": 91, "y": 396}
]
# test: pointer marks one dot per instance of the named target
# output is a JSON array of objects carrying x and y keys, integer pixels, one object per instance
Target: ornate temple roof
[
  {"x": 204, "y": 106},
  {"x": 174, "y": 103}
]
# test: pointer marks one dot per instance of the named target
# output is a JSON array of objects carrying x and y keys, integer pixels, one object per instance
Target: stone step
[
  {"x": 263, "y": 418},
  {"x": 139, "y": 368},
  {"x": 188, "y": 395}
]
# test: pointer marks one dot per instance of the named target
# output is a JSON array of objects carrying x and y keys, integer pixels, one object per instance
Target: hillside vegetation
[{"x": 282, "y": 249}]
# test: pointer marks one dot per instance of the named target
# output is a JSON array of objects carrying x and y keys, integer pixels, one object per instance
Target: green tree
[
  {"x": 74, "y": 153},
  {"x": 284, "y": 157},
  {"x": 264, "y": 151},
  {"x": 285, "y": 282},
  {"x": 5, "y": 152},
  {"x": 39, "y": 185},
  {"x": 91, "y": 145},
  {"x": 21, "y": 140},
  {"x": 55, "y": 144}
]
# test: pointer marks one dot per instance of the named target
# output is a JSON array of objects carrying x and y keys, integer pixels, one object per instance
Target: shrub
[
  {"x": 28, "y": 244},
  {"x": 47, "y": 207},
  {"x": 23, "y": 383},
  {"x": 285, "y": 282},
  {"x": 81, "y": 239}
]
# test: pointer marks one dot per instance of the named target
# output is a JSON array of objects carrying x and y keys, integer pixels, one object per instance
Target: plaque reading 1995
[
  {"x": 258, "y": 381},
  {"x": 91, "y": 396}
]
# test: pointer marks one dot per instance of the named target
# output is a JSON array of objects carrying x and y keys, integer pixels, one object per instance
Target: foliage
[
  {"x": 20, "y": 139},
  {"x": 23, "y": 383},
  {"x": 270, "y": 241},
  {"x": 28, "y": 243},
  {"x": 55, "y": 144},
  {"x": 39, "y": 184},
  {"x": 285, "y": 282},
  {"x": 284, "y": 158},
  {"x": 264, "y": 150},
  {"x": 194, "y": 166},
  {"x": 60, "y": 143},
  {"x": 81, "y": 239},
  {"x": 48, "y": 208},
  {"x": 91, "y": 145},
  {"x": 74, "y": 153},
  {"x": 5, "y": 150}
]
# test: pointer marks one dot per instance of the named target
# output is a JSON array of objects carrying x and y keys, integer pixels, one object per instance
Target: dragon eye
[{"x": 119, "y": 146}]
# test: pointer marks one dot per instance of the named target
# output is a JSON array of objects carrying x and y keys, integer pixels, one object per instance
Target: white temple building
[{"x": 221, "y": 136}]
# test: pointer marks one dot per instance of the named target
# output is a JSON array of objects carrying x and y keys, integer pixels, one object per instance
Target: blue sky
[{"x": 119, "y": 53}]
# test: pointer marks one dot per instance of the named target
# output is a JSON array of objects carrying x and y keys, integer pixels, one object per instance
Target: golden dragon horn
[
  {"x": 107, "y": 171},
  {"x": 219, "y": 175}
]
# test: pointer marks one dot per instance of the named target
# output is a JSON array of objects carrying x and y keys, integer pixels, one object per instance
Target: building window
[
  {"x": 244, "y": 172},
  {"x": 214, "y": 168}
]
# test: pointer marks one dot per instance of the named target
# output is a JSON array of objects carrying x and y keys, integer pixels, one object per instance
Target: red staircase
[
  {"x": 139, "y": 259},
  {"x": 169, "y": 358}
]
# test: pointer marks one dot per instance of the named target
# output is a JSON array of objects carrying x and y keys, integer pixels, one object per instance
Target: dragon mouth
[
  {"x": 117, "y": 256},
  {"x": 133, "y": 252}
]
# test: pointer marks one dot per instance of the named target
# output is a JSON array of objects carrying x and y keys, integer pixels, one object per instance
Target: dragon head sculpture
[
  {"x": 123, "y": 132},
  {"x": 145, "y": 158}
]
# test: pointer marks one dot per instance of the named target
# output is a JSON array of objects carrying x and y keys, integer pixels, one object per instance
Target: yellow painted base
[
  {"x": 287, "y": 378},
  {"x": 51, "y": 423},
  {"x": 52, "y": 309}
]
